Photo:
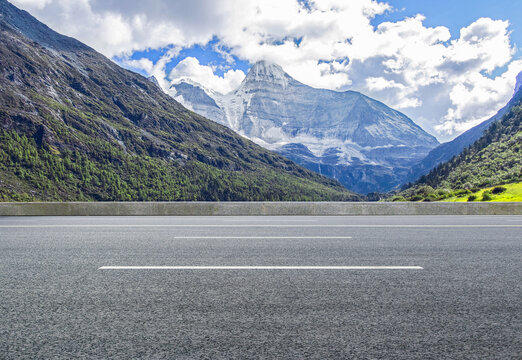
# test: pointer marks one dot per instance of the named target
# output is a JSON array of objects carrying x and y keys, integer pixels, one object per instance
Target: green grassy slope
[{"x": 507, "y": 192}]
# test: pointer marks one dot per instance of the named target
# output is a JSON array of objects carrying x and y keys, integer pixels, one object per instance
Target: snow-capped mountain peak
[
  {"x": 346, "y": 135},
  {"x": 266, "y": 72}
]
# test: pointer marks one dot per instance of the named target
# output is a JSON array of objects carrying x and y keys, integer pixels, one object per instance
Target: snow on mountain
[
  {"x": 198, "y": 99},
  {"x": 344, "y": 131},
  {"x": 264, "y": 72}
]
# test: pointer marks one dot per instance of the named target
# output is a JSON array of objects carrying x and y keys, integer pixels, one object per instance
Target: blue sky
[
  {"x": 456, "y": 14},
  {"x": 448, "y": 70},
  {"x": 205, "y": 54}
]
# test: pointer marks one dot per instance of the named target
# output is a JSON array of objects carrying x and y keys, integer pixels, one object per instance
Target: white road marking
[
  {"x": 253, "y": 226},
  {"x": 260, "y": 268},
  {"x": 260, "y": 237}
]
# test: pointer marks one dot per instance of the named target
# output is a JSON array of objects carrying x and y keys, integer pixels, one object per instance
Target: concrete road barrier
[{"x": 254, "y": 208}]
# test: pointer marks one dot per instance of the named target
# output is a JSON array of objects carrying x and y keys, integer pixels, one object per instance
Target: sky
[{"x": 447, "y": 64}]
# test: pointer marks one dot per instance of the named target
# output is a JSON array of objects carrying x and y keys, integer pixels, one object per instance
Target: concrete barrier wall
[{"x": 254, "y": 208}]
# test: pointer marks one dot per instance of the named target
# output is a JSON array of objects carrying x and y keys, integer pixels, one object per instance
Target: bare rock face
[
  {"x": 155, "y": 81},
  {"x": 357, "y": 140}
]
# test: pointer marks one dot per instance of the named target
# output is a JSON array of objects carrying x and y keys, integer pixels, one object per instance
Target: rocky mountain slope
[
  {"x": 75, "y": 126},
  {"x": 350, "y": 137},
  {"x": 444, "y": 152}
]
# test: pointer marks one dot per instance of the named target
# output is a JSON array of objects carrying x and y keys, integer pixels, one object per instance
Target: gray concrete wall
[{"x": 254, "y": 208}]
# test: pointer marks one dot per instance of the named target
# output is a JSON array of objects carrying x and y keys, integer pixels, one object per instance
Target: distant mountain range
[
  {"x": 348, "y": 136},
  {"x": 75, "y": 126}
]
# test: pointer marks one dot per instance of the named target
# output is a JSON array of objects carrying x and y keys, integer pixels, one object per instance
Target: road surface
[{"x": 261, "y": 287}]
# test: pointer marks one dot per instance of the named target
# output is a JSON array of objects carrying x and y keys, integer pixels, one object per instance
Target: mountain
[
  {"x": 153, "y": 80},
  {"x": 192, "y": 96},
  {"x": 75, "y": 126},
  {"x": 347, "y": 136},
  {"x": 444, "y": 152},
  {"x": 518, "y": 85},
  {"x": 494, "y": 159}
]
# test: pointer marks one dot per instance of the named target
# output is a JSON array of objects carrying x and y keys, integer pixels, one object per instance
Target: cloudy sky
[{"x": 448, "y": 64}]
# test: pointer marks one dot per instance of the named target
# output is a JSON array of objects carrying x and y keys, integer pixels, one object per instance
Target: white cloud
[
  {"x": 157, "y": 69},
  {"x": 476, "y": 97},
  {"x": 191, "y": 68},
  {"x": 380, "y": 83},
  {"x": 445, "y": 84},
  {"x": 38, "y": 4}
]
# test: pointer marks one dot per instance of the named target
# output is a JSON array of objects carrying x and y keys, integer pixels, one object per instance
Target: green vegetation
[
  {"x": 499, "y": 190},
  {"x": 477, "y": 173},
  {"x": 32, "y": 173},
  {"x": 507, "y": 192},
  {"x": 512, "y": 192}
]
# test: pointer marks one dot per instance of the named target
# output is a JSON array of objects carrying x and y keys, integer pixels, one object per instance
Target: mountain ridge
[
  {"x": 518, "y": 84},
  {"x": 37, "y": 31}
]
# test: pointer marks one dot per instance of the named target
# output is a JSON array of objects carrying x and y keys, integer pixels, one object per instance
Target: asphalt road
[{"x": 465, "y": 302}]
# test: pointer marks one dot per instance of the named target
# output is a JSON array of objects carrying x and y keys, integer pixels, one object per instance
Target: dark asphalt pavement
[{"x": 466, "y": 303}]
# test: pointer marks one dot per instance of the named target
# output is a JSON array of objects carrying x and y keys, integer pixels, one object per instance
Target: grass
[{"x": 513, "y": 193}]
